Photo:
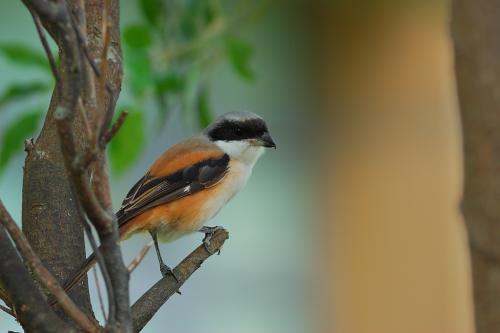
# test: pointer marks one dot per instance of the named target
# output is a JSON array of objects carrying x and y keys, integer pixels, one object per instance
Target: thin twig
[
  {"x": 138, "y": 258},
  {"x": 99, "y": 295},
  {"x": 46, "y": 278},
  {"x": 104, "y": 271},
  {"x": 102, "y": 266},
  {"x": 115, "y": 128},
  {"x": 149, "y": 303},
  {"x": 48, "y": 52},
  {"x": 99, "y": 259}
]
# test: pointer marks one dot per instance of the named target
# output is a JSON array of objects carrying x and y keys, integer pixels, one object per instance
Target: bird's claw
[
  {"x": 209, "y": 233},
  {"x": 166, "y": 271}
]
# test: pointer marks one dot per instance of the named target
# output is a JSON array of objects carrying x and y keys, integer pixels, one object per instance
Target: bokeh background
[{"x": 352, "y": 224}]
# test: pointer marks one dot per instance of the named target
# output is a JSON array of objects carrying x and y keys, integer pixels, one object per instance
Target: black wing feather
[{"x": 151, "y": 191}]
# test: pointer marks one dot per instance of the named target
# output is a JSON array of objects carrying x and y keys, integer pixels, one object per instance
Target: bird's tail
[
  {"x": 77, "y": 276},
  {"x": 80, "y": 273}
]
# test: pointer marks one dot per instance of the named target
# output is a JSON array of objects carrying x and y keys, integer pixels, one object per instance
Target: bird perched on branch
[{"x": 190, "y": 182}]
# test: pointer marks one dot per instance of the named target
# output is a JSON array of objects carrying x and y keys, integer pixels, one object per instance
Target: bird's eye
[{"x": 238, "y": 130}]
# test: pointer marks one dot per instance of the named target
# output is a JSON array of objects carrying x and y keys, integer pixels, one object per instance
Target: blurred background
[{"x": 352, "y": 224}]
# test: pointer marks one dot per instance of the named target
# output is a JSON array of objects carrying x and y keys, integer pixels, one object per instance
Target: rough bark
[{"x": 475, "y": 29}]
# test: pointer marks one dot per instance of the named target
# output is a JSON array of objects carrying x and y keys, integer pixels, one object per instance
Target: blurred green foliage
[
  {"x": 17, "y": 91},
  {"x": 127, "y": 144},
  {"x": 24, "y": 55},
  {"x": 169, "y": 54}
]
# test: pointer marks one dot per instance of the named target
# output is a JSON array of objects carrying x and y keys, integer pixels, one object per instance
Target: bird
[{"x": 189, "y": 184}]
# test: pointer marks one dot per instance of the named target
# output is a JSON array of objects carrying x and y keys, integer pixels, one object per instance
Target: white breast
[
  {"x": 243, "y": 157},
  {"x": 232, "y": 183}
]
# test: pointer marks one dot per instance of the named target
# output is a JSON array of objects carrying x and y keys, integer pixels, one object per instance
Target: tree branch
[
  {"x": 115, "y": 128},
  {"x": 148, "y": 304},
  {"x": 99, "y": 296},
  {"x": 45, "y": 277},
  {"x": 28, "y": 303},
  {"x": 138, "y": 258},
  {"x": 100, "y": 262},
  {"x": 46, "y": 47}
]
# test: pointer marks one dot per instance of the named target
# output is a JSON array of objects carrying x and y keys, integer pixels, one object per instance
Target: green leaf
[
  {"x": 23, "y": 55},
  {"x": 211, "y": 11},
  {"x": 126, "y": 146},
  {"x": 22, "y": 90},
  {"x": 152, "y": 10},
  {"x": 170, "y": 83},
  {"x": 137, "y": 36},
  {"x": 240, "y": 54},
  {"x": 167, "y": 89},
  {"x": 163, "y": 108},
  {"x": 204, "y": 114},
  {"x": 15, "y": 134},
  {"x": 196, "y": 15},
  {"x": 189, "y": 25},
  {"x": 138, "y": 72}
]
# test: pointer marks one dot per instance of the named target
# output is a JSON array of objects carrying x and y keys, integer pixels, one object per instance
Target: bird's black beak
[{"x": 267, "y": 141}]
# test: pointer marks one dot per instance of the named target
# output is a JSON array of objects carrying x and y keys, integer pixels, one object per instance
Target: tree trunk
[{"x": 476, "y": 29}]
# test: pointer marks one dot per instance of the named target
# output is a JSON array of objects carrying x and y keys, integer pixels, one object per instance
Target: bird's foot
[
  {"x": 166, "y": 271},
  {"x": 209, "y": 233}
]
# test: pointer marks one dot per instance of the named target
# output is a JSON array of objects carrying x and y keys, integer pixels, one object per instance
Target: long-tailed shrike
[{"x": 190, "y": 182}]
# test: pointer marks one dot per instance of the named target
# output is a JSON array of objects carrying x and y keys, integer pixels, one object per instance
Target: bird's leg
[
  {"x": 209, "y": 233},
  {"x": 164, "y": 269}
]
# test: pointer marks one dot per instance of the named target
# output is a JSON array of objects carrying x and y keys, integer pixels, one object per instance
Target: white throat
[{"x": 242, "y": 151}]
